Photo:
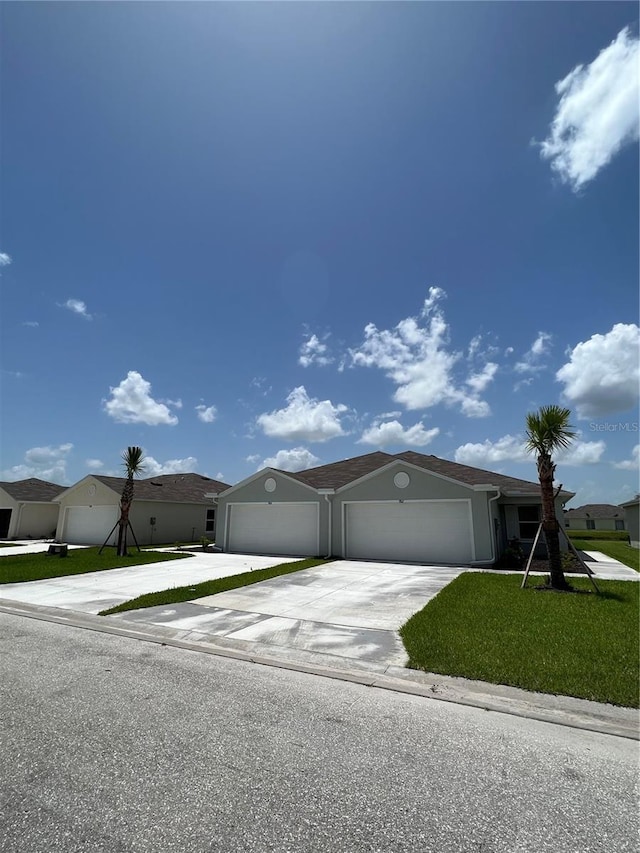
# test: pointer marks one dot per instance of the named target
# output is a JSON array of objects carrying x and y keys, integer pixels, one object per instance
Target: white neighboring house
[
  {"x": 595, "y": 517},
  {"x": 26, "y": 509},
  {"x": 406, "y": 507},
  {"x": 165, "y": 509}
]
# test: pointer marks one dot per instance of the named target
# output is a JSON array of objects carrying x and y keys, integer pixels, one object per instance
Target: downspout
[
  {"x": 493, "y": 533},
  {"x": 330, "y": 511}
]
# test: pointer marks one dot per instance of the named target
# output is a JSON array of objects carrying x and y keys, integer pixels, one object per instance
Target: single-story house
[
  {"x": 406, "y": 507},
  {"x": 632, "y": 520},
  {"x": 594, "y": 517},
  {"x": 26, "y": 509},
  {"x": 165, "y": 509}
]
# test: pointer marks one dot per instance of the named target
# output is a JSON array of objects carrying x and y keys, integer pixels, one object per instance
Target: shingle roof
[
  {"x": 180, "y": 488},
  {"x": 32, "y": 489},
  {"x": 594, "y": 511},
  {"x": 338, "y": 474}
]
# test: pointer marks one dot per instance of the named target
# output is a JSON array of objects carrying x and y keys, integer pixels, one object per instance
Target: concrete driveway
[{"x": 350, "y": 609}]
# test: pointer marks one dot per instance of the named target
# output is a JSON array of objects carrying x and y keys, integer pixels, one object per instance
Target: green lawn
[
  {"x": 621, "y": 551},
  {"x": 483, "y": 626},
  {"x": 175, "y": 595},
  {"x": 35, "y": 567}
]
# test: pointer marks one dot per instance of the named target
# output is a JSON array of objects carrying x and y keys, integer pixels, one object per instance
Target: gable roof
[
  {"x": 177, "y": 488},
  {"x": 594, "y": 511},
  {"x": 32, "y": 489},
  {"x": 338, "y": 474}
]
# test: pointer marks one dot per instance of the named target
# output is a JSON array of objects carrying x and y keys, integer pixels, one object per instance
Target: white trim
[
  {"x": 401, "y": 463},
  {"x": 467, "y": 501},
  {"x": 265, "y": 472}
]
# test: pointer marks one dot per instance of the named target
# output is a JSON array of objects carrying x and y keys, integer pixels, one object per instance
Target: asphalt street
[{"x": 110, "y": 744}]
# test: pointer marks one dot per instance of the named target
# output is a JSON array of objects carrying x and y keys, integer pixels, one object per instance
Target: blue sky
[{"x": 256, "y": 233}]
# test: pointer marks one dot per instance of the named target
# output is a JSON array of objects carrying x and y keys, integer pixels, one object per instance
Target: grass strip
[
  {"x": 79, "y": 561},
  {"x": 178, "y": 594},
  {"x": 484, "y": 627},
  {"x": 620, "y": 551},
  {"x": 612, "y": 535}
]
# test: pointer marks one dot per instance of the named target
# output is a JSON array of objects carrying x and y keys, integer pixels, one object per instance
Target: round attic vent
[
  {"x": 402, "y": 479},
  {"x": 269, "y": 485}
]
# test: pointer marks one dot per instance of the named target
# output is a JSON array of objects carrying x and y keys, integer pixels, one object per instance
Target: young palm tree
[
  {"x": 133, "y": 462},
  {"x": 549, "y": 430}
]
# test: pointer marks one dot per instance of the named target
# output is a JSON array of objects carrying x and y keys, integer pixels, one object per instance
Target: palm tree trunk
[
  {"x": 123, "y": 523},
  {"x": 546, "y": 470}
]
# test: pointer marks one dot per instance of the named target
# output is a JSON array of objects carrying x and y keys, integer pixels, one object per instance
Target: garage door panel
[
  {"x": 278, "y": 528},
  {"x": 412, "y": 531},
  {"x": 89, "y": 525}
]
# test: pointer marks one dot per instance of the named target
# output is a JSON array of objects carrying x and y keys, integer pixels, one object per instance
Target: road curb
[{"x": 558, "y": 710}]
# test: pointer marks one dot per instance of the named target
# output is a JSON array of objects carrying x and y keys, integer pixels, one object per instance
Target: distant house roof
[
  {"x": 32, "y": 489},
  {"x": 338, "y": 474},
  {"x": 594, "y": 511},
  {"x": 178, "y": 488}
]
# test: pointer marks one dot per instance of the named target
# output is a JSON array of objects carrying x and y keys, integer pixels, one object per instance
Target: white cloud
[
  {"x": 531, "y": 360},
  {"x": 630, "y": 464},
  {"x": 313, "y": 351},
  {"x": 390, "y": 433},
  {"x": 5, "y": 259},
  {"x": 33, "y": 324},
  {"x": 509, "y": 448},
  {"x": 581, "y": 453},
  {"x": 94, "y": 464},
  {"x": 45, "y": 463},
  {"x": 153, "y": 468},
  {"x": 253, "y": 458},
  {"x": 304, "y": 419},
  {"x": 602, "y": 374},
  {"x": 512, "y": 448},
  {"x": 77, "y": 306},
  {"x": 296, "y": 459},
  {"x": 132, "y": 403},
  {"x": 206, "y": 414},
  {"x": 597, "y": 114},
  {"x": 415, "y": 357}
]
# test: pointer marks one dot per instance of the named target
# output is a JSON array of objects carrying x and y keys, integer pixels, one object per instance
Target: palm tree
[
  {"x": 549, "y": 430},
  {"x": 133, "y": 462}
]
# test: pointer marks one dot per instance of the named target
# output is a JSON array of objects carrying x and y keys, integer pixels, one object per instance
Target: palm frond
[{"x": 133, "y": 461}]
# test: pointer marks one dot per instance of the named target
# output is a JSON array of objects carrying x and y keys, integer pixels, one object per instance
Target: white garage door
[
  {"x": 277, "y": 528},
  {"x": 413, "y": 531},
  {"x": 90, "y": 525}
]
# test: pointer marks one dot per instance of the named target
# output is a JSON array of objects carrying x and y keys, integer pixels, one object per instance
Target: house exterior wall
[
  {"x": 599, "y": 523},
  {"x": 286, "y": 491},
  {"x": 35, "y": 521},
  {"x": 7, "y": 502},
  {"x": 512, "y": 523},
  {"x": 173, "y": 522},
  {"x": 422, "y": 486},
  {"x": 632, "y": 521}
]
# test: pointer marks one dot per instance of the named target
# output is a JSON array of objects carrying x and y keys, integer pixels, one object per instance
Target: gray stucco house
[
  {"x": 406, "y": 507},
  {"x": 632, "y": 520},
  {"x": 594, "y": 517},
  {"x": 165, "y": 509},
  {"x": 26, "y": 509}
]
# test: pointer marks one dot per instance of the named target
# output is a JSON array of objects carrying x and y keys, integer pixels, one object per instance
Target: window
[
  {"x": 211, "y": 520},
  {"x": 619, "y": 524},
  {"x": 529, "y": 519},
  {"x": 591, "y": 525}
]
